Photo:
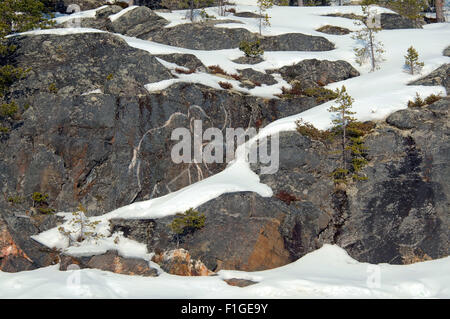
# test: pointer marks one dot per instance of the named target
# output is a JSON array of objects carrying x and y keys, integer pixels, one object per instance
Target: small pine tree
[
  {"x": 264, "y": 19},
  {"x": 412, "y": 61},
  {"x": 187, "y": 222},
  {"x": 410, "y": 9},
  {"x": 343, "y": 118},
  {"x": 251, "y": 48},
  {"x": 372, "y": 49},
  {"x": 81, "y": 228}
]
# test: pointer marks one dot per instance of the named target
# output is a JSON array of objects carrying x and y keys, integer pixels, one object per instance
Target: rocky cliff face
[
  {"x": 399, "y": 215},
  {"x": 89, "y": 132}
]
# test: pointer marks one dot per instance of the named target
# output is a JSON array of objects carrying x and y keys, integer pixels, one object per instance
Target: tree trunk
[
  {"x": 344, "y": 133},
  {"x": 372, "y": 52},
  {"x": 440, "y": 11},
  {"x": 300, "y": 3}
]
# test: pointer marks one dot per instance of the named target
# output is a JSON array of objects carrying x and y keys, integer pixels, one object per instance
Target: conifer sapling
[{"x": 412, "y": 61}]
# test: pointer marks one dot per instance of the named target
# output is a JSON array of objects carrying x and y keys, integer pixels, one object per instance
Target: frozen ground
[
  {"x": 328, "y": 272},
  {"x": 325, "y": 273}
]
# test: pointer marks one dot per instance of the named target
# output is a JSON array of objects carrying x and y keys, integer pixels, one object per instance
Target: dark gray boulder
[
  {"x": 199, "y": 36},
  {"x": 246, "y": 14},
  {"x": 321, "y": 72},
  {"x": 447, "y": 51},
  {"x": 189, "y": 61},
  {"x": 106, "y": 12},
  {"x": 439, "y": 77},
  {"x": 391, "y": 21},
  {"x": 404, "y": 119},
  {"x": 334, "y": 30},
  {"x": 139, "y": 22},
  {"x": 248, "y": 60},
  {"x": 109, "y": 261},
  {"x": 296, "y": 42},
  {"x": 257, "y": 77}
]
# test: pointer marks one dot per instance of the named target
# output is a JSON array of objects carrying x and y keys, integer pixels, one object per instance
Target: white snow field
[{"x": 327, "y": 272}]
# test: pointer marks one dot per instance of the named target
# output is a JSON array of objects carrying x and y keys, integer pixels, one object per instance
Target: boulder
[
  {"x": 246, "y": 14},
  {"x": 321, "y": 72},
  {"x": 439, "y": 77},
  {"x": 106, "y": 12},
  {"x": 179, "y": 262},
  {"x": 199, "y": 36},
  {"x": 296, "y": 42},
  {"x": 236, "y": 282},
  {"x": 257, "y": 77},
  {"x": 447, "y": 51},
  {"x": 18, "y": 252},
  {"x": 110, "y": 261},
  {"x": 404, "y": 119},
  {"x": 189, "y": 61},
  {"x": 139, "y": 22},
  {"x": 391, "y": 21},
  {"x": 248, "y": 60},
  {"x": 334, "y": 30}
]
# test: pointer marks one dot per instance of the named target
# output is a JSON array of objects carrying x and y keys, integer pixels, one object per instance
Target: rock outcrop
[
  {"x": 388, "y": 21},
  {"x": 391, "y": 21},
  {"x": 439, "y": 77},
  {"x": 139, "y": 22},
  {"x": 399, "y": 215},
  {"x": 110, "y": 261},
  {"x": 179, "y": 262},
  {"x": 447, "y": 51},
  {"x": 318, "y": 72},
  {"x": 80, "y": 63},
  {"x": 334, "y": 30}
]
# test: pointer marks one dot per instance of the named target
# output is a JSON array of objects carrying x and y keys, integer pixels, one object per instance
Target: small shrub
[
  {"x": 226, "y": 85},
  {"x": 8, "y": 109},
  {"x": 432, "y": 99},
  {"x": 39, "y": 198},
  {"x": 237, "y": 77},
  {"x": 187, "y": 222},
  {"x": 286, "y": 197},
  {"x": 307, "y": 129},
  {"x": 4, "y": 130},
  {"x": 8, "y": 75},
  {"x": 215, "y": 69},
  {"x": 184, "y": 71},
  {"x": 81, "y": 228},
  {"x": 321, "y": 94},
  {"x": 109, "y": 77},
  {"x": 205, "y": 15},
  {"x": 15, "y": 199},
  {"x": 419, "y": 102},
  {"x": 46, "y": 210},
  {"x": 251, "y": 48},
  {"x": 52, "y": 88}
]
